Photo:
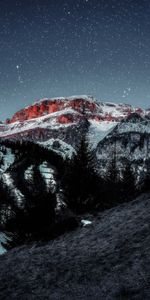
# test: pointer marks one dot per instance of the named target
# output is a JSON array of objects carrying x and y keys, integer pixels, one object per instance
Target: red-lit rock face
[
  {"x": 81, "y": 105},
  {"x": 51, "y": 106},
  {"x": 64, "y": 119},
  {"x": 68, "y": 118},
  {"x": 52, "y": 114}
]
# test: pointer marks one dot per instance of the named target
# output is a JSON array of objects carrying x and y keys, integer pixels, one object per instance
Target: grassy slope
[{"x": 109, "y": 259}]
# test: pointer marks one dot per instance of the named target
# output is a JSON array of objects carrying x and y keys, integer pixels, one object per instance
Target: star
[{"x": 74, "y": 47}]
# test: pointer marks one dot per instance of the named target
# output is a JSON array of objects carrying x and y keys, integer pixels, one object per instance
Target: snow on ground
[
  {"x": 140, "y": 126},
  {"x": 86, "y": 222},
  {"x": 48, "y": 121},
  {"x": 115, "y": 109},
  {"x": 9, "y": 182},
  {"x": 98, "y": 130},
  {"x": 48, "y": 174},
  {"x": 3, "y": 239},
  {"x": 28, "y": 173},
  {"x": 59, "y": 147},
  {"x": 46, "y": 170},
  {"x": 67, "y": 99},
  {"x": 7, "y": 158}
]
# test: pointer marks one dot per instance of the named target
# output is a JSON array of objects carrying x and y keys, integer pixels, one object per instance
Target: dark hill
[{"x": 109, "y": 259}]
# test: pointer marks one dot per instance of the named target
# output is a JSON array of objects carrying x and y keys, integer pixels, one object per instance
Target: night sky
[{"x": 59, "y": 48}]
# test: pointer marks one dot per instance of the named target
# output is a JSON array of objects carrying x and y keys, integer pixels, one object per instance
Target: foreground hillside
[{"x": 108, "y": 259}]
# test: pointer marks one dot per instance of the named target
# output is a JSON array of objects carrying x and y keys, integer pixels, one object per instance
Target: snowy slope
[
  {"x": 59, "y": 146},
  {"x": 46, "y": 121},
  {"x": 98, "y": 130}
]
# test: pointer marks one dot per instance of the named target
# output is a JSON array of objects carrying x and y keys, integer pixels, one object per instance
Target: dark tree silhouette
[
  {"x": 40, "y": 203},
  {"x": 112, "y": 186},
  {"x": 128, "y": 183},
  {"x": 33, "y": 221},
  {"x": 146, "y": 180},
  {"x": 81, "y": 181},
  {"x": 7, "y": 204}
]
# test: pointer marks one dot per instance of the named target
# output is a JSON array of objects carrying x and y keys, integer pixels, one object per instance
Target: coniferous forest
[{"x": 79, "y": 188}]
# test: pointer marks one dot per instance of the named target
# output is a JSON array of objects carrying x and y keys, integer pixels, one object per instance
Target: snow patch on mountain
[
  {"x": 3, "y": 239},
  {"x": 59, "y": 146},
  {"x": 67, "y": 98},
  {"x": 86, "y": 222},
  {"x": 28, "y": 174},
  {"x": 6, "y": 157},
  {"x": 48, "y": 174},
  {"x": 7, "y": 179},
  {"x": 98, "y": 130},
  {"x": 48, "y": 121},
  {"x": 141, "y": 127}
]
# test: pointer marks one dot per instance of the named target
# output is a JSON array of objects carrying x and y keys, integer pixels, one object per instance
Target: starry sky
[{"x": 56, "y": 48}]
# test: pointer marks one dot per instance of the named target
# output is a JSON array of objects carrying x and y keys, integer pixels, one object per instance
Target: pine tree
[
  {"x": 128, "y": 183},
  {"x": 33, "y": 221},
  {"x": 112, "y": 184},
  {"x": 7, "y": 204},
  {"x": 81, "y": 182},
  {"x": 112, "y": 187},
  {"x": 146, "y": 181},
  {"x": 40, "y": 204}
]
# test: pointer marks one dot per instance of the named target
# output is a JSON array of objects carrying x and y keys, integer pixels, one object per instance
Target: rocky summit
[{"x": 48, "y": 118}]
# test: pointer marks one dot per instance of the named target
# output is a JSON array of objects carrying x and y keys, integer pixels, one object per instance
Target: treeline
[
  {"x": 33, "y": 153},
  {"x": 35, "y": 218},
  {"x": 79, "y": 182},
  {"x": 86, "y": 190}
]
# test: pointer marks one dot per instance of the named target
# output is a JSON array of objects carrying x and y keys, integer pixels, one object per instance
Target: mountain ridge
[
  {"x": 108, "y": 126},
  {"x": 62, "y": 112},
  {"x": 50, "y": 105}
]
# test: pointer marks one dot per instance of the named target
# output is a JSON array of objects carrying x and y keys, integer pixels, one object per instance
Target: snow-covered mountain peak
[{"x": 60, "y": 117}]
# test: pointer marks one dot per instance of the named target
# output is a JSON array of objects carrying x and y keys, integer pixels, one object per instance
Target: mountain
[
  {"x": 57, "y": 124},
  {"x": 130, "y": 139},
  {"x": 63, "y": 118},
  {"x": 107, "y": 259}
]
